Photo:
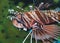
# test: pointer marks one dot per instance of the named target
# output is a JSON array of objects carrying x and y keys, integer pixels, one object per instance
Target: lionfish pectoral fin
[{"x": 52, "y": 30}]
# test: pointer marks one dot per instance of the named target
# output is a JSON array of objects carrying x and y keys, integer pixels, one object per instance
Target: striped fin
[
  {"x": 26, "y": 22},
  {"x": 53, "y": 30},
  {"x": 48, "y": 15},
  {"x": 32, "y": 15},
  {"x": 44, "y": 17},
  {"x": 29, "y": 16},
  {"x": 41, "y": 20},
  {"x": 31, "y": 20},
  {"x": 36, "y": 16},
  {"x": 41, "y": 35},
  {"x": 48, "y": 31}
]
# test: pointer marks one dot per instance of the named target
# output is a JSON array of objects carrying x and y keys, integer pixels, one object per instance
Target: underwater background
[{"x": 9, "y": 33}]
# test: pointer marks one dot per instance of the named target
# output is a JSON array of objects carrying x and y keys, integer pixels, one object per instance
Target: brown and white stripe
[
  {"x": 42, "y": 18},
  {"x": 39, "y": 16}
]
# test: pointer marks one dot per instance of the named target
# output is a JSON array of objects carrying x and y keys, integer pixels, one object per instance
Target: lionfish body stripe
[{"x": 37, "y": 18}]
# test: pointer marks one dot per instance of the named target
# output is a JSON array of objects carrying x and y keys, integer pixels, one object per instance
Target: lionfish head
[{"x": 16, "y": 18}]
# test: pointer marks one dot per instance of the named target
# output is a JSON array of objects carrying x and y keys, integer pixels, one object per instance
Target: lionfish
[{"x": 41, "y": 23}]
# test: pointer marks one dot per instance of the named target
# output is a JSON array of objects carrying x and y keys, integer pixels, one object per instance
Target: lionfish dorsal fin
[{"x": 43, "y": 6}]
